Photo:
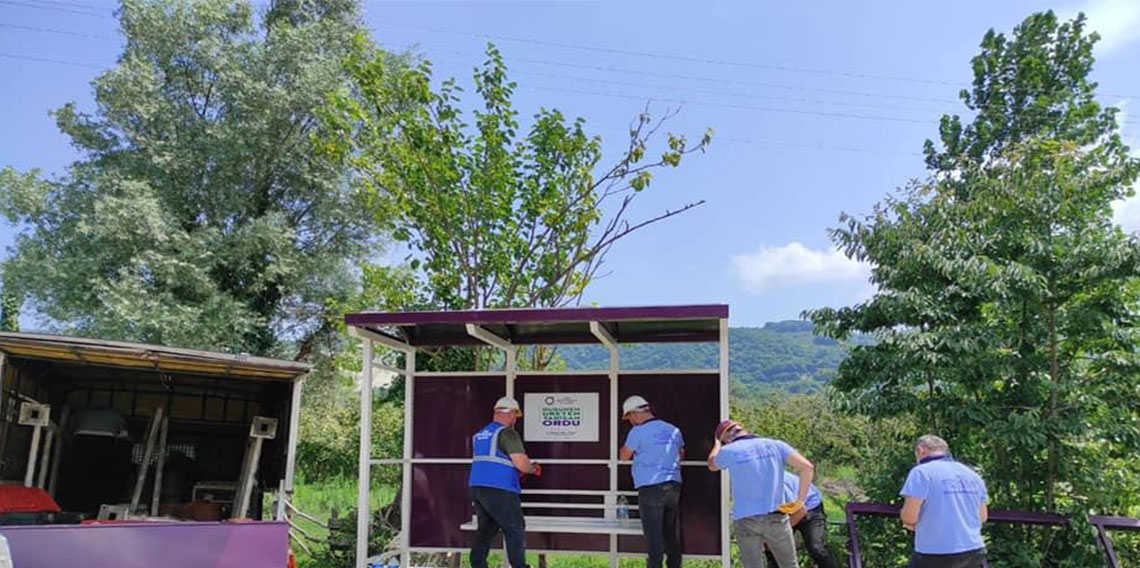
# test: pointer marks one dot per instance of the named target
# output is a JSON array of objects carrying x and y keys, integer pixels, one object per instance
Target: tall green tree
[
  {"x": 199, "y": 212},
  {"x": 1007, "y": 313},
  {"x": 494, "y": 213}
]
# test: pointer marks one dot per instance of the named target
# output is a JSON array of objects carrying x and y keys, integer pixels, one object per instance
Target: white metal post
[
  {"x": 364, "y": 477},
  {"x": 406, "y": 491},
  {"x": 294, "y": 429},
  {"x": 725, "y": 538},
  {"x": 3, "y": 380},
  {"x": 30, "y": 471},
  {"x": 148, "y": 451},
  {"x": 603, "y": 335},
  {"x": 512, "y": 368},
  {"x": 156, "y": 493},
  {"x": 57, "y": 455},
  {"x": 45, "y": 456}
]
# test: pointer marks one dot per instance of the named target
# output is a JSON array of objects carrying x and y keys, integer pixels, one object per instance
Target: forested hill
[{"x": 781, "y": 354}]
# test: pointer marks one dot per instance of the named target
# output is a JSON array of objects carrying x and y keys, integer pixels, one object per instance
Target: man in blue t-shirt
[
  {"x": 656, "y": 448},
  {"x": 945, "y": 507},
  {"x": 759, "y": 512},
  {"x": 811, "y": 523}
]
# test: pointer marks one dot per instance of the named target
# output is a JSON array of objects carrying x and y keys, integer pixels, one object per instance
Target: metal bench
[{"x": 609, "y": 524}]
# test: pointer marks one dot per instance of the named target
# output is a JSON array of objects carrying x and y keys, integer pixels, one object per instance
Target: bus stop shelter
[{"x": 571, "y": 425}]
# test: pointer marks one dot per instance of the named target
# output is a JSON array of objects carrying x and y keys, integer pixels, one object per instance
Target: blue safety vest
[{"x": 490, "y": 467}]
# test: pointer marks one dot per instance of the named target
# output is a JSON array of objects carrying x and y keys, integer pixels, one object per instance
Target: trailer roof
[
  {"x": 651, "y": 324},
  {"x": 144, "y": 356}
]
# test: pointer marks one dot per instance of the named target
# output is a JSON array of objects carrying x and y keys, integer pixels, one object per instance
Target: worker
[
  {"x": 657, "y": 449},
  {"x": 945, "y": 506},
  {"x": 498, "y": 460},
  {"x": 759, "y": 510},
  {"x": 810, "y": 521}
]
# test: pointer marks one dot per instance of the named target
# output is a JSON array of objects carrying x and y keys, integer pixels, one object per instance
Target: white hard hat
[
  {"x": 632, "y": 404},
  {"x": 508, "y": 403}
]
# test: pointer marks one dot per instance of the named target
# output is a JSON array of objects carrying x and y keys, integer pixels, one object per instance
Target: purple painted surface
[
  {"x": 450, "y": 409},
  {"x": 170, "y": 545},
  {"x": 1104, "y": 524},
  {"x": 680, "y": 324},
  {"x": 485, "y": 317}
]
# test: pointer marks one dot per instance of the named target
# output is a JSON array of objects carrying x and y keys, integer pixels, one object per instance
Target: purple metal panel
[
  {"x": 449, "y": 410},
  {"x": 1105, "y": 523},
  {"x": 488, "y": 317},
  {"x": 170, "y": 545}
]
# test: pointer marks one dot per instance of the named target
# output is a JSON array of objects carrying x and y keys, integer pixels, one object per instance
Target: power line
[
  {"x": 47, "y": 60},
  {"x": 717, "y": 80},
  {"x": 51, "y": 31},
  {"x": 724, "y": 62},
  {"x": 53, "y": 9},
  {"x": 737, "y": 107},
  {"x": 730, "y": 94},
  {"x": 75, "y": 4}
]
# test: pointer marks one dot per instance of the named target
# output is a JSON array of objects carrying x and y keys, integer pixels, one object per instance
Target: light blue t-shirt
[
  {"x": 792, "y": 490},
  {"x": 656, "y": 449},
  {"x": 952, "y": 495},
  {"x": 756, "y": 468}
]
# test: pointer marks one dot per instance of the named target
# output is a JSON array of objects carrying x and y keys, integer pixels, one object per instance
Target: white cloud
[
  {"x": 793, "y": 264},
  {"x": 1117, "y": 22}
]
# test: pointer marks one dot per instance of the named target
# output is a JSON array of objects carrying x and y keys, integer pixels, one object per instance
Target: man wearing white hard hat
[
  {"x": 498, "y": 459},
  {"x": 656, "y": 448}
]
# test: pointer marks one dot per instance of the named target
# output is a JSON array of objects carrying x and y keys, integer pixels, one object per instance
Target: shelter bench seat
[{"x": 572, "y": 524}]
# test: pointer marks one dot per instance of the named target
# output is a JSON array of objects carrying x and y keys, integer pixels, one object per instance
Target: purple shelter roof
[{"x": 655, "y": 324}]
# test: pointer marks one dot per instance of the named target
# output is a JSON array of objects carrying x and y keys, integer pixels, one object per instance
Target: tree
[
  {"x": 1006, "y": 317},
  {"x": 200, "y": 213},
  {"x": 493, "y": 217}
]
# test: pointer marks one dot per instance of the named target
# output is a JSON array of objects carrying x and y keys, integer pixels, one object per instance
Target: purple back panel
[
  {"x": 451, "y": 409},
  {"x": 170, "y": 545}
]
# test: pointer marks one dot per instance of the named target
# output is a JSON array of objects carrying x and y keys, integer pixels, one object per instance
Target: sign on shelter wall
[{"x": 560, "y": 417}]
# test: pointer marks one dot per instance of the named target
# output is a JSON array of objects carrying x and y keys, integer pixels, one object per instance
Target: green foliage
[
  {"x": 492, "y": 215},
  {"x": 200, "y": 213},
  {"x": 1006, "y": 319}
]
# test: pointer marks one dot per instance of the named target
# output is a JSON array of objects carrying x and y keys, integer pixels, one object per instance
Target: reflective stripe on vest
[
  {"x": 489, "y": 466},
  {"x": 493, "y": 452}
]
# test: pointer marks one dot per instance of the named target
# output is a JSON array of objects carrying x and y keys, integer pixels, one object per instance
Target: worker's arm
[
  {"x": 712, "y": 456},
  {"x": 909, "y": 514},
  {"x": 807, "y": 473},
  {"x": 984, "y": 512},
  {"x": 625, "y": 454},
  {"x": 522, "y": 463}
]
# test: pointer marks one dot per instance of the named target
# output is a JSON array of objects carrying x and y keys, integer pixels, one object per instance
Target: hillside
[{"x": 784, "y": 355}]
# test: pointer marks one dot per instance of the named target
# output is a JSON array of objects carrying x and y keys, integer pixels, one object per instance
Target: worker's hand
[
  {"x": 536, "y": 469},
  {"x": 908, "y": 527}
]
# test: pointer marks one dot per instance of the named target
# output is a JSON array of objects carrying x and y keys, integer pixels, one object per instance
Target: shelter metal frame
[{"x": 598, "y": 329}]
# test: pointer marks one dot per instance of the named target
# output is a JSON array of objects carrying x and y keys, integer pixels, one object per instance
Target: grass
[{"x": 320, "y": 498}]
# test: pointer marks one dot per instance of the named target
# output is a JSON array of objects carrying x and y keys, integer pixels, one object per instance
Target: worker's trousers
[
  {"x": 970, "y": 559},
  {"x": 773, "y": 530},
  {"x": 660, "y": 509},
  {"x": 497, "y": 510}
]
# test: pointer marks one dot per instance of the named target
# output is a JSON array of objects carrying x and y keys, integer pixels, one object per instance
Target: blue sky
[{"x": 818, "y": 107}]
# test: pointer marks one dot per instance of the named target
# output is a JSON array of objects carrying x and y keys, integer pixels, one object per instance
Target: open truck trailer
[{"x": 127, "y": 455}]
